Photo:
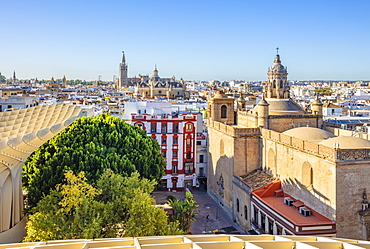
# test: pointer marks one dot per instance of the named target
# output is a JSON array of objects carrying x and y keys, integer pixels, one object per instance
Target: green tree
[
  {"x": 68, "y": 212},
  {"x": 183, "y": 211},
  {"x": 91, "y": 145},
  {"x": 2, "y": 79},
  {"x": 323, "y": 90},
  {"x": 118, "y": 206},
  {"x": 121, "y": 195}
]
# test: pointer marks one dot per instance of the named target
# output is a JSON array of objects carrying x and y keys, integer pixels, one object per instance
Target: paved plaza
[{"x": 217, "y": 222}]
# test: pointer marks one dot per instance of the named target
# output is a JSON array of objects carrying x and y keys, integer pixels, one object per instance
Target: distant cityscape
[{"x": 280, "y": 157}]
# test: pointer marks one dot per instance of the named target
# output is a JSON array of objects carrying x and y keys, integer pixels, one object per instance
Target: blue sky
[{"x": 195, "y": 40}]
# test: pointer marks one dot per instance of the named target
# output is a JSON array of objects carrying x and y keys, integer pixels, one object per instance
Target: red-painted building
[
  {"x": 176, "y": 134},
  {"x": 275, "y": 212}
]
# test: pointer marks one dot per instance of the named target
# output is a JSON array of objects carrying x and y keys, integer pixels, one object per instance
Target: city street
[{"x": 217, "y": 222}]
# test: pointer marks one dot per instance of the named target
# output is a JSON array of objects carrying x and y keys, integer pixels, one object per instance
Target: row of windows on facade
[
  {"x": 188, "y": 168},
  {"x": 13, "y": 93},
  {"x": 270, "y": 227},
  {"x": 188, "y": 155},
  {"x": 3, "y": 107},
  {"x": 259, "y": 220},
  {"x": 175, "y": 128},
  {"x": 281, "y": 84},
  {"x": 160, "y": 92},
  {"x": 175, "y": 154},
  {"x": 175, "y": 141}
]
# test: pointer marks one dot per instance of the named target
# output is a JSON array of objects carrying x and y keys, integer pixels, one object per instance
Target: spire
[
  {"x": 263, "y": 101},
  {"x": 277, "y": 57},
  {"x": 240, "y": 96},
  {"x": 155, "y": 71},
  {"x": 64, "y": 81},
  {"x": 317, "y": 100},
  {"x": 123, "y": 57}
]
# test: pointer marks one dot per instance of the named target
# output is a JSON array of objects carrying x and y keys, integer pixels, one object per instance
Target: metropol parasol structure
[{"x": 21, "y": 133}]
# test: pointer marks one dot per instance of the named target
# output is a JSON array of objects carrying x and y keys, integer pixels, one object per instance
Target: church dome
[
  {"x": 284, "y": 107},
  {"x": 263, "y": 102},
  {"x": 316, "y": 101},
  {"x": 220, "y": 95},
  {"x": 277, "y": 65},
  {"x": 309, "y": 134},
  {"x": 346, "y": 142}
]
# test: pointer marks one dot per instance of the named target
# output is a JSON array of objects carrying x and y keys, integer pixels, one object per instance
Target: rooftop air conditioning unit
[
  {"x": 279, "y": 193},
  {"x": 304, "y": 211},
  {"x": 288, "y": 201}
]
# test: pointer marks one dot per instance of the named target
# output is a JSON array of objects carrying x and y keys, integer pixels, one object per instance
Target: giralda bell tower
[{"x": 123, "y": 80}]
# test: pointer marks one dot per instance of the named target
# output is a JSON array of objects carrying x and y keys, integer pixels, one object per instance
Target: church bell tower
[
  {"x": 277, "y": 85},
  {"x": 221, "y": 108},
  {"x": 123, "y": 80}
]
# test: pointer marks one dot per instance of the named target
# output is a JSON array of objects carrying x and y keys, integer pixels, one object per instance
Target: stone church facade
[
  {"x": 151, "y": 87},
  {"x": 279, "y": 144}
]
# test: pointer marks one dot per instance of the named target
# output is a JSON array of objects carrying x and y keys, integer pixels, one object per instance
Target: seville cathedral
[
  {"x": 277, "y": 169},
  {"x": 151, "y": 87}
]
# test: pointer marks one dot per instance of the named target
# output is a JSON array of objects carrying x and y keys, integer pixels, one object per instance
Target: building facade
[
  {"x": 319, "y": 170},
  {"x": 17, "y": 102},
  {"x": 176, "y": 135}
]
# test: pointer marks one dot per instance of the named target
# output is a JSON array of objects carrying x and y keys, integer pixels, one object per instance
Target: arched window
[
  {"x": 245, "y": 212},
  {"x": 281, "y": 84},
  {"x": 188, "y": 141},
  {"x": 237, "y": 205},
  {"x": 274, "y": 83},
  {"x": 224, "y": 111},
  {"x": 307, "y": 174}
]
